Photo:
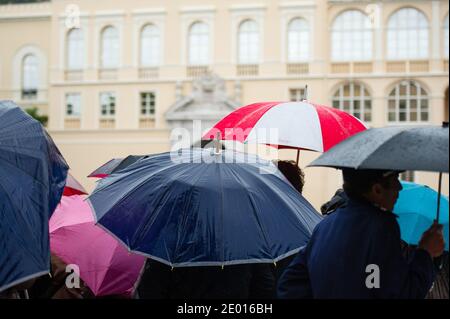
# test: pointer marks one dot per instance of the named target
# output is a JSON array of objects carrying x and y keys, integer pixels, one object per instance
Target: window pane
[
  {"x": 336, "y": 104},
  {"x": 352, "y": 36},
  {"x": 110, "y": 48},
  {"x": 407, "y": 36},
  {"x": 248, "y": 42},
  {"x": 30, "y": 72},
  {"x": 199, "y": 44},
  {"x": 108, "y": 103},
  {"x": 150, "y": 46},
  {"x": 75, "y": 49},
  {"x": 346, "y": 106},
  {"x": 298, "y": 40}
]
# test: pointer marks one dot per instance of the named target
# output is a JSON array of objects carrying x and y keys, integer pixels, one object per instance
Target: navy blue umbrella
[
  {"x": 32, "y": 178},
  {"x": 196, "y": 207}
]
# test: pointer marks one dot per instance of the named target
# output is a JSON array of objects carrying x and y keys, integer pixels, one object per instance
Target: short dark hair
[
  {"x": 293, "y": 173},
  {"x": 359, "y": 182}
]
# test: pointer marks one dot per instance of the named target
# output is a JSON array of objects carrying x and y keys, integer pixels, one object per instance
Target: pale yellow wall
[{"x": 89, "y": 147}]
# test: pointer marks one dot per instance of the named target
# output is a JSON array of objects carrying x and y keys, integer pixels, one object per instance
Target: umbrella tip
[
  {"x": 305, "y": 97},
  {"x": 217, "y": 144}
]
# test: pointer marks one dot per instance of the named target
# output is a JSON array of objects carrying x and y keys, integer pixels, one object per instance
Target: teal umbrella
[{"x": 416, "y": 207}]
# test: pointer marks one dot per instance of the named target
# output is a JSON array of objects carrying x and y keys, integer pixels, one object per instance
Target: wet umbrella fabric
[
  {"x": 32, "y": 178},
  {"x": 198, "y": 208},
  {"x": 105, "y": 264},
  {"x": 115, "y": 165},
  {"x": 416, "y": 208},
  {"x": 423, "y": 148}
]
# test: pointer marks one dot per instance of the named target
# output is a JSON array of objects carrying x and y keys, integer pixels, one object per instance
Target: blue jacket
[{"x": 333, "y": 264}]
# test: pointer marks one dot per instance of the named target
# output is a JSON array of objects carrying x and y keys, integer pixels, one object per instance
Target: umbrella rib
[
  {"x": 25, "y": 172},
  {"x": 141, "y": 184},
  {"x": 125, "y": 175},
  {"x": 242, "y": 181},
  {"x": 192, "y": 188},
  {"x": 144, "y": 226}
]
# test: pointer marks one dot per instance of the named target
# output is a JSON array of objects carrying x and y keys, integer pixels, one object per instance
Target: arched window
[
  {"x": 150, "y": 46},
  {"x": 446, "y": 37},
  {"x": 30, "y": 76},
  {"x": 248, "y": 43},
  {"x": 75, "y": 49},
  {"x": 298, "y": 40},
  {"x": 351, "y": 37},
  {"x": 407, "y": 36},
  {"x": 354, "y": 99},
  {"x": 408, "y": 102},
  {"x": 110, "y": 48},
  {"x": 199, "y": 44}
]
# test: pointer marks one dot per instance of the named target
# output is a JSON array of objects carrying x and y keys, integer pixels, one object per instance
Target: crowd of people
[{"x": 359, "y": 229}]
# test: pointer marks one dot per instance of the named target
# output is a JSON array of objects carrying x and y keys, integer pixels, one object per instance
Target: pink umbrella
[
  {"x": 105, "y": 265},
  {"x": 73, "y": 187},
  {"x": 299, "y": 125}
]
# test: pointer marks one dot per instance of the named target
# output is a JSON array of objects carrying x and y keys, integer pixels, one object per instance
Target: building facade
[{"x": 115, "y": 77}]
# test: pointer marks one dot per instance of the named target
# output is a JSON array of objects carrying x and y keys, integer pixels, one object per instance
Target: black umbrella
[
  {"x": 115, "y": 165},
  {"x": 421, "y": 148}
]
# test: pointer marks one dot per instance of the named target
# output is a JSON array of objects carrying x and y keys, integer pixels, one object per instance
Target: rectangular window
[
  {"x": 147, "y": 104},
  {"x": 107, "y": 104},
  {"x": 407, "y": 176},
  {"x": 73, "y": 104},
  {"x": 296, "y": 95}
]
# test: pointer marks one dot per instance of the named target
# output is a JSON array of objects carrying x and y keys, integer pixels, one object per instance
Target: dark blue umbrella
[
  {"x": 32, "y": 179},
  {"x": 201, "y": 208}
]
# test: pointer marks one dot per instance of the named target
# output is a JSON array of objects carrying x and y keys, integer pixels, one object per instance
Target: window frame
[
  {"x": 153, "y": 37},
  {"x": 351, "y": 99},
  {"x": 248, "y": 58},
  {"x": 307, "y": 30},
  {"x": 67, "y": 96},
  {"x": 344, "y": 35},
  {"x": 203, "y": 46},
  {"x": 108, "y": 106},
  {"x": 399, "y": 34},
  {"x": 407, "y": 98},
  {"x": 29, "y": 77},
  {"x": 146, "y": 107},
  {"x": 115, "y": 59},
  {"x": 70, "y": 50}
]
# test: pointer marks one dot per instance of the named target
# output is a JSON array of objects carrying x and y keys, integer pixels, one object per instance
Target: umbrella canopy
[
  {"x": 416, "y": 207},
  {"x": 115, "y": 165},
  {"x": 32, "y": 177},
  {"x": 105, "y": 265},
  {"x": 73, "y": 187},
  {"x": 299, "y": 125},
  {"x": 423, "y": 148},
  {"x": 199, "y": 208}
]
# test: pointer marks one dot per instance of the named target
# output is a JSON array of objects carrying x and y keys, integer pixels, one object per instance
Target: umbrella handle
[
  {"x": 217, "y": 144},
  {"x": 439, "y": 198}
]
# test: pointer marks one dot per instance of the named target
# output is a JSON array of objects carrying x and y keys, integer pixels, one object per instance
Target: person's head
[
  {"x": 380, "y": 187},
  {"x": 293, "y": 174}
]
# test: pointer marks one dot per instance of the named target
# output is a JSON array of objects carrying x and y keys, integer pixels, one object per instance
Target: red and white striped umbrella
[{"x": 298, "y": 125}]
